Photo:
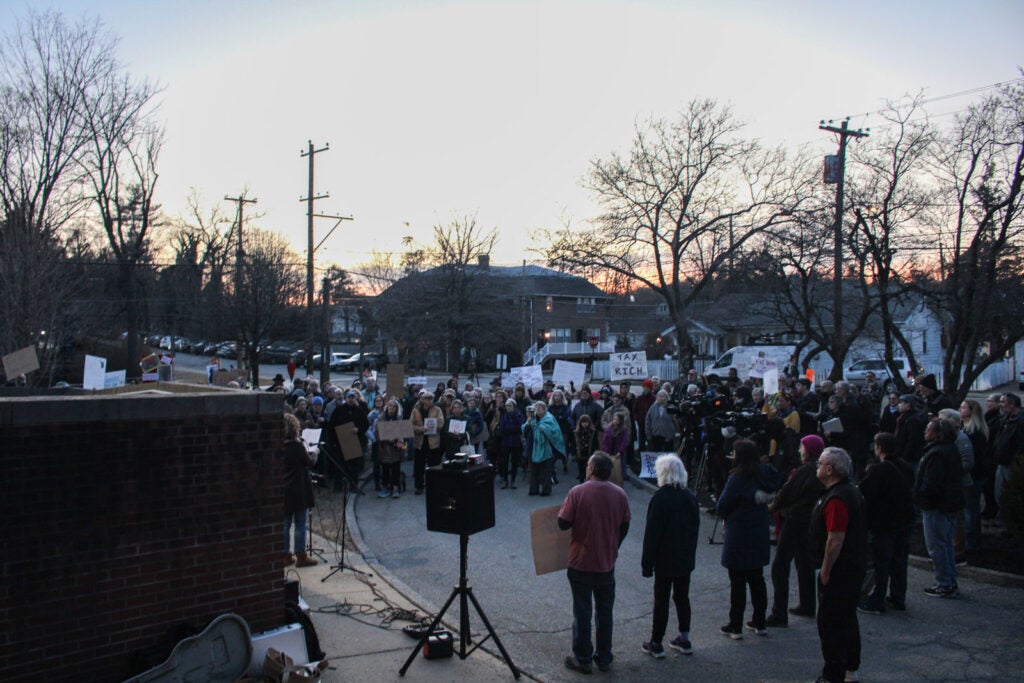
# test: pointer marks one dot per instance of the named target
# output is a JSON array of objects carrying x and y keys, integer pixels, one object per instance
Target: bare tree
[
  {"x": 690, "y": 193},
  {"x": 46, "y": 65},
  {"x": 890, "y": 200},
  {"x": 272, "y": 281},
  {"x": 980, "y": 170},
  {"x": 377, "y": 274},
  {"x": 119, "y": 167}
]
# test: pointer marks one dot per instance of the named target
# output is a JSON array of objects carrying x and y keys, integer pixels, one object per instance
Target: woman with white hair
[
  {"x": 669, "y": 552},
  {"x": 546, "y": 436}
]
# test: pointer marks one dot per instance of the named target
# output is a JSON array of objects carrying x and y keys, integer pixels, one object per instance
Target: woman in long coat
[
  {"x": 746, "y": 549},
  {"x": 547, "y": 438},
  {"x": 669, "y": 552},
  {"x": 298, "y": 493}
]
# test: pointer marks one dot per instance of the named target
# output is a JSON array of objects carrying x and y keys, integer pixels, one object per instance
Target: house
[{"x": 482, "y": 316}]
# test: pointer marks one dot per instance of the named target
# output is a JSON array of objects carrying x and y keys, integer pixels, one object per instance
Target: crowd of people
[{"x": 835, "y": 477}]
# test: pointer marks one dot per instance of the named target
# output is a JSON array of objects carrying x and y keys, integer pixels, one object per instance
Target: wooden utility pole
[
  {"x": 310, "y": 250},
  {"x": 309, "y": 199},
  {"x": 835, "y": 172},
  {"x": 241, "y": 200}
]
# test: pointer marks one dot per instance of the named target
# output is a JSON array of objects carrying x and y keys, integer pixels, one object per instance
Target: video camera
[{"x": 732, "y": 424}]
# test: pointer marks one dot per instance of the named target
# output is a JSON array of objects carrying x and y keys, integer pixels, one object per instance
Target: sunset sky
[{"x": 440, "y": 109}]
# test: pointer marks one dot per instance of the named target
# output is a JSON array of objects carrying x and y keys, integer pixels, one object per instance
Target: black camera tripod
[
  {"x": 347, "y": 481},
  {"x": 465, "y": 593}
]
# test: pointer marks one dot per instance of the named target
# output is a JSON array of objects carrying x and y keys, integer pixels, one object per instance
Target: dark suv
[{"x": 355, "y": 363}]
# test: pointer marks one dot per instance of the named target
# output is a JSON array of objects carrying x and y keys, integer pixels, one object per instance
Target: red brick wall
[{"x": 126, "y": 516}]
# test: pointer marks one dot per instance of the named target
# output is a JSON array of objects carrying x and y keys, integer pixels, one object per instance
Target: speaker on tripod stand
[{"x": 460, "y": 500}]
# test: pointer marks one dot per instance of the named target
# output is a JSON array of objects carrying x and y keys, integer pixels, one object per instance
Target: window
[
  {"x": 561, "y": 334},
  {"x": 586, "y": 304}
]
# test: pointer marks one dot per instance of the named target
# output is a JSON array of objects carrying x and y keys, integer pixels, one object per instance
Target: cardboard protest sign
[
  {"x": 631, "y": 365},
  {"x": 395, "y": 380},
  {"x": 115, "y": 379},
  {"x": 20, "y": 362},
  {"x": 760, "y": 366},
  {"x": 94, "y": 375},
  {"x": 394, "y": 430},
  {"x": 647, "y": 460},
  {"x": 771, "y": 381},
  {"x": 348, "y": 437},
  {"x": 550, "y": 544},
  {"x": 566, "y": 373}
]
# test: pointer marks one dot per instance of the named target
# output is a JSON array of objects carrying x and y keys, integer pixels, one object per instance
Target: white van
[{"x": 754, "y": 360}]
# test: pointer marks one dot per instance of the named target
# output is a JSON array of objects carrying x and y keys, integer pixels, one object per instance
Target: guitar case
[{"x": 219, "y": 653}]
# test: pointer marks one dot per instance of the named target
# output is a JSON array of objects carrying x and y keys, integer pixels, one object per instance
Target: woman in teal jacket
[{"x": 547, "y": 438}]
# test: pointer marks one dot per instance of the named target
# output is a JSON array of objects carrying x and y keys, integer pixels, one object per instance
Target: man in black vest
[{"x": 838, "y": 540}]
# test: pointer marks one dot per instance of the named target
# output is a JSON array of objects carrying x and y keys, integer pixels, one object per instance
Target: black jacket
[
  {"x": 1009, "y": 440},
  {"x": 910, "y": 436},
  {"x": 797, "y": 496},
  {"x": 670, "y": 538},
  {"x": 938, "y": 485},
  {"x": 888, "y": 495}
]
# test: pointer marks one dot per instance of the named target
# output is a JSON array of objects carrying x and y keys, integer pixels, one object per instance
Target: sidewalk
[{"x": 350, "y": 613}]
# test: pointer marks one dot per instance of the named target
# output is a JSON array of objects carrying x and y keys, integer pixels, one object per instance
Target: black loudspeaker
[{"x": 460, "y": 501}]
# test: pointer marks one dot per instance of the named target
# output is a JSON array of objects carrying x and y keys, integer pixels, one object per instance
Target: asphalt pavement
[{"x": 974, "y": 637}]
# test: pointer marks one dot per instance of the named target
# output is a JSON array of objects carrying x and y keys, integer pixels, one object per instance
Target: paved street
[{"x": 975, "y": 637}]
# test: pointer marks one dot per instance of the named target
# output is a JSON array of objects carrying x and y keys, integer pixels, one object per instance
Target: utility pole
[
  {"x": 310, "y": 250},
  {"x": 241, "y": 200},
  {"x": 835, "y": 172},
  {"x": 325, "y": 358}
]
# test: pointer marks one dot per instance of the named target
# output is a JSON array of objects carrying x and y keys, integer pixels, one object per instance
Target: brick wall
[{"x": 124, "y": 516}]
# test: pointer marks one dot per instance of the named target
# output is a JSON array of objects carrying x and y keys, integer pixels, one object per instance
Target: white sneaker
[{"x": 851, "y": 677}]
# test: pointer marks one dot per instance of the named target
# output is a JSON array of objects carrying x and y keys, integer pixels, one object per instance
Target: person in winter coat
[
  {"x": 615, "y": 440},
  {"x": 940, "y": 495},
  {"x": 298, "y": 492},
  {"x": 546, "y": 438},
  {"x": 746, "y": 549},
  {"x": 586, "y": 437},
  {"x": 794, "y": 503},
  {"x": 889, "y": 515},
  {"x": 659, "y": 424},
  {"x": 510, "y": 426},
  {"x": 559, "y": 409},
  {"x": 457, "y": 440},
  {"x": 669, "y": 552},
  {"x": 389, "y": 452}
]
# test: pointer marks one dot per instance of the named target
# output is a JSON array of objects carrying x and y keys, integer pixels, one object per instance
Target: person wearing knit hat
[
  {"x": 813, "y": 445},
  {"x": 794, "y": 503}
]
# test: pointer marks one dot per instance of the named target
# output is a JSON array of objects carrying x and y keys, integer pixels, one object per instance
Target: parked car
[
  {"x": 857, "y": 372},
  {"x": 336, "y": 359},
  {"x": 276, "y": 354},
  {"x": 1020, "y": 381},
  {"x": 375, "y": 361}
]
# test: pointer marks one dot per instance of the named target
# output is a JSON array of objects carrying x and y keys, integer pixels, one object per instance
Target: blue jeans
[
  {"x": 299, "y": 518},
  {"x": 592, "y": 591},
  {"x": 938, "y": 538}
]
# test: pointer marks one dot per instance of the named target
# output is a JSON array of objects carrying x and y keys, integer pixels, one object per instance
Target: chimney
[{"x": 483, "y": 261}]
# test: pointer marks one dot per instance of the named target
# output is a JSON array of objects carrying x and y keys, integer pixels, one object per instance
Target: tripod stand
[
  {"x": 346, "y": 480},
  {"x": 465, "y": 593}
]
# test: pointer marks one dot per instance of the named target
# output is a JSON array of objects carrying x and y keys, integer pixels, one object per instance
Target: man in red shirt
[
  {"x": 838, "y": 540},
  {"x": 597, "y": 511}
]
